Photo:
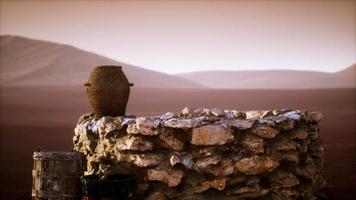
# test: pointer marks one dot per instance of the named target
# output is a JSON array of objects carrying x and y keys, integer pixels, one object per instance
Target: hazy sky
[{"x": 181, "y": 36}]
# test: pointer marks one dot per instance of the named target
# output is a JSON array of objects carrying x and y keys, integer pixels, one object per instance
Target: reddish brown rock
[
  {"x": 223, "y": 168},
  {"x": 157, "y": 196},
  {"x": 108, "y": 124},
  {"x": 253, "y": 114},
  {"x": 300, "y": 134},
  {"x": 211, "y": 135},
  {"x": 181, "y": 158},
  {"x": 315, "y": 116},
  {"x": 285, "y": 179},
  {"x": 144, "y": 126},
  {"x": 290, "y": 156},
  {"x": 202, "y": 164},
  {"x": 242, "y": 124},
  {"x": 218, "y": 184},
  {"x": 209, "y": 153},
  {"x": 133, "y": 143},
  {"x": 256, "y": 165},
  {"x": 183, "y": 123},
  {"x": 171, "y": 177},
  {"x": 138, "y": 159},
  {"x": 168, "y": 137},
  {"x": 236, "y": 179},
  {"x": 265, "y": 131},
  {"x": 186, "y": 112},
  {"x": 253, "y": 144},
  {"x": 218, "y": 112},
  {"x": 285, "y": 194},
  {"x": 248, "y": 192},
  {"x": 316, "y": 149},
  {"x": 285, "y": 145}
]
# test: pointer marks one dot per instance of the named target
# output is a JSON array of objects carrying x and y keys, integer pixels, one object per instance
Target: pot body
[{"x": 108, "y": 91}]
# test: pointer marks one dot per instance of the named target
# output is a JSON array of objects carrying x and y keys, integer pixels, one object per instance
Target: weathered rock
[
  {"x": 236, "y": 179},
  {"x": 201, "y": 165},
  {"x": 180, "y": 158},
  {"x": 265, "y": 131},
  {"x": 167, "y": 116},
  {"x": 218, "y": 184},
  {"x": 144, "y": 126},
  {"x": 242, "y": 124},
  {"x": 253, "y": 144},
  {"x": 168, "y": 137},
  {"x": 211, "y": 135},
  {"x": 84, "y": 139},
  {"x": 157, "y": 196},
  {"x": 245, "y": 189},
  {"x": 300, "y": 134},
  {"x": 171, "y": 177},
  {"x": 256, "y": 165},
  {"x": 223, "y": 168},
  {"x": 204, "y": 152},
  {"x": 139, "y": 160},
  {"x": 303, "y": 146},
  {"x": 109, "y": 124},
  {"x": 218, "y": 112},
  {"x": 186, "y": 112},
  {"x": 285, "y": 179},
  {"x": 184, "y": 123},
  {"x": 290, "y": 156},
  {"x": 229, "y": 114},
  {"x": 287, "y": 125},
  {"x": 285, "y": 194},
  {"x": 285, "y": 145},
  {"x": 86, "y": 117},
  {"x": 293, "y": 115},
  {"x": 248, "y": 192},
  {"x": 315, "y": 116},
  {"x": 133, "y": 143},
  {"x": 309, "y": 169},
  {"x": 313, "y": 132},
  {"x": 316, "y": 149},
  {"x": 267, "y": 121},
  {"x": 206, "y": 112},
  {"x": 253, "y": 114},
  {"x": 261, "y": 154}
]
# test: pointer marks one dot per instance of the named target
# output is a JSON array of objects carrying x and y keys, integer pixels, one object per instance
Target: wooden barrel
[{"x": 56, "y": 175}]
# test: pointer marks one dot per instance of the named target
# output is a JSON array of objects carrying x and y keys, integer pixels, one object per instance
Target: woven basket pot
[{"x": 108, "y": 91}]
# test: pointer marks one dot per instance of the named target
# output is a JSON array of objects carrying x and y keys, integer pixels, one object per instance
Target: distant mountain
[
  {"x": 274, "y": 79},
  {"x": 34, "y": 62},
  {"x": 26, "y": 61},
  {"x": 348, "y": 73}
]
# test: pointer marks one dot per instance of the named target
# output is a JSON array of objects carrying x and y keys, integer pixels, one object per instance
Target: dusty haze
[{"x": 185, "y": 36}]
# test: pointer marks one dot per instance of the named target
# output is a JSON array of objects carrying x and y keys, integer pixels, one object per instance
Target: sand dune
[
  {"x": 34, "y": 62},
  {"x": 274, "y": 79}
]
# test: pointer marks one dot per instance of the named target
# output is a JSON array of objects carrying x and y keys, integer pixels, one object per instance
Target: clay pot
[{"x": 108, "y": 90}]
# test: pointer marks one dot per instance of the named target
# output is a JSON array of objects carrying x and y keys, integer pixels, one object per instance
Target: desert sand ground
[{"x": 44, "y": 117}]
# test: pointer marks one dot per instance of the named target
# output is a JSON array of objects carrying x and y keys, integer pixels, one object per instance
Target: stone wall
[{"x": 209, "y": 153}]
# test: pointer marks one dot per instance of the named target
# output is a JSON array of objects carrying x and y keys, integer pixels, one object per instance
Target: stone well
[{"x": 209, "y": 153}]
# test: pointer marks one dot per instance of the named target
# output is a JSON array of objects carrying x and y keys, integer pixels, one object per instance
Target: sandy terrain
[{"x": 44, "y": 117}]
